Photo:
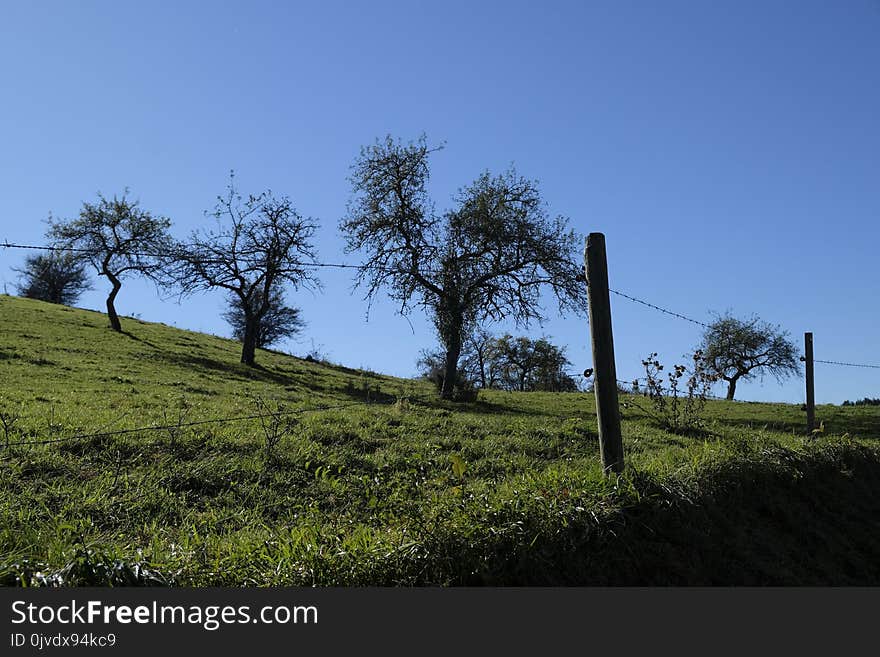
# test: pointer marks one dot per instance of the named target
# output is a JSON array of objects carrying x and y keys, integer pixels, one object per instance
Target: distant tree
[
  {"x": 867, "y": 401},
  {"x": 56, "y": 277},
  {"x": 504, "y": 363},
  {"x": 479, "y": 359},
  {"x": 484, "y": 260},
  {"x": 117, "y": 238},
  {"x": 476, "y": 370},
  {"x": 277, "y": 323},
  {"x": 740, "y": 349},
  {"x": 258, "y": 244},
  {"x": 529, "y": 365}
]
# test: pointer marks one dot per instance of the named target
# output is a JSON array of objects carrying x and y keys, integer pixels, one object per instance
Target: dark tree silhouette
[
  {"x": 118, "y": 239},
  {"x": 504, "y": 363},
  {"x": 478, "y": 366},
  {"x": 528, "y": 365},
  {"x": 479, "y": 358},
  {"x": 258, "y": 244},
  {"x": 484, "y": 260},
  {"x": 56, "y": 276},
  {"x": 740, "y": 349},
  {"x": 277, "y": 323}
]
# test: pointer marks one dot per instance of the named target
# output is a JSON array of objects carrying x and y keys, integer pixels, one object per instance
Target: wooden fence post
[
  {"x": 811, "y": 394},
  {"x": 605, "y": 381}
]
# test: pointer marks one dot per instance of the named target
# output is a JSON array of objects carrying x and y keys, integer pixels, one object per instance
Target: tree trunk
[
  {"x": 111, "y": 309},
  {"x": 450, "y": 373},
  {"x": 731, "y": 388},
  {"x": 482, "y": 361},
  {"x": 249, "y": 341}
]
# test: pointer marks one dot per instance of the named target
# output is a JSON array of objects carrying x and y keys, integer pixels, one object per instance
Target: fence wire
[
  {"x": 658, "y": 308},
  {"x": 342, "y": 265},
  {"x": 166, "y": 254},
  {"x": 215, "y": 420},
  {"x": 834, "y": 362}
]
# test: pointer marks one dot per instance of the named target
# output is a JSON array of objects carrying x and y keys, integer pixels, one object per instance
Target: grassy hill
[{"x": 357, "y": 478}]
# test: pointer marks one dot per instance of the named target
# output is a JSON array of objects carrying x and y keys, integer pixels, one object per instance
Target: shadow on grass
[
  {"x": 233, "y": 370},
  {"x": 781, "y": 519},
  {"x": 132, "y": 336},
  {"x": 495, "y": 408},
  {"x": 834, "y": 424}
]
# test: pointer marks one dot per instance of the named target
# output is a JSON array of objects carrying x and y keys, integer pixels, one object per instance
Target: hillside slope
[{"x": 138, "y": 458}]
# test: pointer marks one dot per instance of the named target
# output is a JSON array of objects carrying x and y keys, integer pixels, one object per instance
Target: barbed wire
[
  {"x": 164, "y": 254},
  {"x": 834, "y": 362},
  {"x": 656, "y": 307},
  {"x": 705, "y": 325},
  {"x": 628, "y": 387},
  {"x": 341, "y": 265}
]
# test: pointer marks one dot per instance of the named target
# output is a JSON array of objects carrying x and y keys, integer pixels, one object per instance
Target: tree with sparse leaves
[
  {"x": 118, "y": 239},
  {"x": 257, "y": 244},
  {"x": 740, "y": 349},
  {"x": 485, "y": 259},
  {"x": 280, "y": 321},
  {"x": 56, "y": 277}
]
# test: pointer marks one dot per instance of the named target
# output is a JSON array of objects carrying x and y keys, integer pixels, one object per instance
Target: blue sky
[{"x": 730, "y": 151}]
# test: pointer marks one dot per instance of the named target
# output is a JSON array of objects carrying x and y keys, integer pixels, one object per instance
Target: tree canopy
[
  {"x": 741, "y": 349},
  {"x": 505, "y": 363},
  {"x": 528, "y": 365},
  {"x": 280, "y": 321},
  {"x": 117, "y": 238},
  {"x": 485, "y": 259},
  {"x": 257, "y": 245},
  {"x": 56, "y": 276}
]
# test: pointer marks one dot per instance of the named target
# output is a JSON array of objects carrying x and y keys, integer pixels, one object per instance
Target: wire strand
[
  {"x": 144, "y": 254},
  {"x": 656, "y": 307},
  {"x": 834, "y": 362},
  {"x": 195, "y": 423},
  {"x": 342, "y": 265}
]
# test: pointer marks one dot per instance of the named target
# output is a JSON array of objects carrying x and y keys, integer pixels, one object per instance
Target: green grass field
[{"x": 391, "y": 486}]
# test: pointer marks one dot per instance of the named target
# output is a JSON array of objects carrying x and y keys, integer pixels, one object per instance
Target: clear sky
[{"x": 730, "y": 151}]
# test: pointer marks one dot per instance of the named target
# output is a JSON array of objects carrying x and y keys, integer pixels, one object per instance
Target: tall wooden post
[
  {"x": 605, "y": 381},
  {"x": 811, "y": 393}
]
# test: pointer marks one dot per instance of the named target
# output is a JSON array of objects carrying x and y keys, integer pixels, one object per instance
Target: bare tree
[
  {"x": 280, "y": 321},
  {"x": 117, "y": 238},
  {"x": 484, "y": 260},
  {"x": 740, "y": 349},
  {"x": 479, "y": 358},
  {"x": 56, "y": 277},
  {"x": 259, "y": 243}
]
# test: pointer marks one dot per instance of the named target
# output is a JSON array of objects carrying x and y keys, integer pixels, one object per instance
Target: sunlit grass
[{"x": 397, "y": 487}]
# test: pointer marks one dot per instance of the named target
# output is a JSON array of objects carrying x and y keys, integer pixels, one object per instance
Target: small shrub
[
  {"x": 276, "y": 422},
  {"x": 174, "y": 420},
  {"x": 678, "y": 409},
  {"x": 9, "y": 417}
]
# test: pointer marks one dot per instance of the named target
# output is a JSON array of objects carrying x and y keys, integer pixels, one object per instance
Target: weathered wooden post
[
  {"x": 605, "y": 381},
  {"x": 811, "y": 393}
]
